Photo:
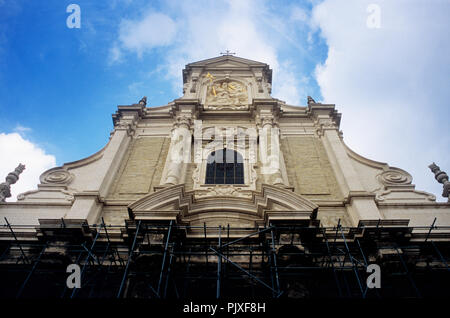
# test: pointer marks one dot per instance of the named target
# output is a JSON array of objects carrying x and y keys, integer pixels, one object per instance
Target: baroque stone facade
[{"x": 154, "y": 165}]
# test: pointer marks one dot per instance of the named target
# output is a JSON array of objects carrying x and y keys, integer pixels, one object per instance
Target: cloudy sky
[{"x": 385, "y": 64}]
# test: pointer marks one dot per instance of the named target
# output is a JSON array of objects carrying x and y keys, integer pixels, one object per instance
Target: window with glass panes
[{"x": 224, "y": 166}]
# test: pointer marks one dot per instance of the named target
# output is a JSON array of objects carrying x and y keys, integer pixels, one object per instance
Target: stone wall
[
  {"x": 308, "y": 168},
  {"x": 141, "y": 168}
]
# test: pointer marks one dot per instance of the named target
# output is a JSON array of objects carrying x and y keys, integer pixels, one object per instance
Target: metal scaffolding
[{"x": 147, "y": 260}]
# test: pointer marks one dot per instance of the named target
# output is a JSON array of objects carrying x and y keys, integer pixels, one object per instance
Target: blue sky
[{"x": 59, "y": 86}]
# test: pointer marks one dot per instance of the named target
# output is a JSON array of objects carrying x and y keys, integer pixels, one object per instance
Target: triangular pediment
[
  {"x": 228, "y": 65},
  {"x": 227, "y": 61}
]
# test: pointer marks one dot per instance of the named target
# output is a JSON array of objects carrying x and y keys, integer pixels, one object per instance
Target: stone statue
[
  {"x": 269, "y": 88},
  {"x": 179, "y": 151},
  {"x": 11, "y": 178},
  {"x": 143, "y": 101},
  {"x": 441, "y": 177},
  {"x": 185, "y": 87},
  {"x": 311, "y": 100}
]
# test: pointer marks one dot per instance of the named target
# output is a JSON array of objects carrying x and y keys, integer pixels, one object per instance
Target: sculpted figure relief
[{"x": 227, "y": 94}]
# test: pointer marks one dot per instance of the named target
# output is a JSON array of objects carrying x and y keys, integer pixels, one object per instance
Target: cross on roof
[{"x": 227, "y": 53}]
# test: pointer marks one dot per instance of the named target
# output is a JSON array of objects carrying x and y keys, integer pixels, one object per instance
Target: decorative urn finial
[
  {"x": 11, "y": 178},
  {"x": 441, "y": 177}
]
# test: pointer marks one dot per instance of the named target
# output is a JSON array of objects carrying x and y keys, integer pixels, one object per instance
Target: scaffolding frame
[{"x": 173, "y": 260}]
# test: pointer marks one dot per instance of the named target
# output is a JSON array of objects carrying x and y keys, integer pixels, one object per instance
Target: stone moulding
[{"x": 271, "y": 204}]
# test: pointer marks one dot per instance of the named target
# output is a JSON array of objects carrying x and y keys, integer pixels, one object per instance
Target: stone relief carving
[
  {"x": 394, "y": 177},
  {"x": 56, "y": 176},
  {"x": 223, "y": 190},
  {"x": 226, "y": 95}
]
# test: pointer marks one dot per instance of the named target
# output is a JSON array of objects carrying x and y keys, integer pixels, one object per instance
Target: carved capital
[{"x": 183, "y": 120}]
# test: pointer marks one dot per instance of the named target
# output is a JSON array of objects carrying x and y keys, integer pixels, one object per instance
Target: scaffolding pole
[
  {"x": 255, "y": 255},
  {"x": 219, "y": 265},
  {"x": 274, "y": 260},
  {"x": 408, "y": 274},
  {"x": 17, "y": 241},
  {"x": 19, "y": 293},
  {"x": 246, "y": 272},
  {"x": 354, "y": 267},
  {"x": 164, "y": 259},
  {"x": 128, "y": 260},
  {"x": 89, "y": 255}
]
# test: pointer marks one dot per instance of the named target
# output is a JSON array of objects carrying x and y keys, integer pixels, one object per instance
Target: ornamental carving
[
  {"x": 183, "y": 120},
  {"x": 56, "y": 176},
  {"x": 226, "y": 95},
  {"x": 222, "y": 191},
  {"x": 394, "y": 177}
]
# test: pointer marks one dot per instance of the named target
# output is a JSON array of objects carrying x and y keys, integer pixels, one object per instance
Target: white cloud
[
  {"x": 15, "y": 149},
  {"x": 391, "y": 84},
  {"x": 299, "y": 14},
  {"x": 239, "y": 26},
  {"x": 115, "y": 54},
  {"x": 153, "y": 30},
  {"x": 21, "y": 129},
  {"x": 207, "y": 28},
  {"x": 287, "y": 84}
]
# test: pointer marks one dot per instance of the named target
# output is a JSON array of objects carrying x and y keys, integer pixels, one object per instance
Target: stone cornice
[
  {"x": 136, "y": 110},
  {"x": 316, "y": 110}
]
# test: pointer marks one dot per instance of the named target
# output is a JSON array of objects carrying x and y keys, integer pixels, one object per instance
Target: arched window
[{"x": 224, "y": 166}]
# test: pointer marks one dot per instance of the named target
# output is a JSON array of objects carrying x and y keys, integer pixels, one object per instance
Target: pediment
[
  {"x": 227, "y": 65},
  {"x": 227, "y": 61}
]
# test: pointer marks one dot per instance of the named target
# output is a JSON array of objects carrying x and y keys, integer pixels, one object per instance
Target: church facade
[{"x": 228, "y": 164}]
